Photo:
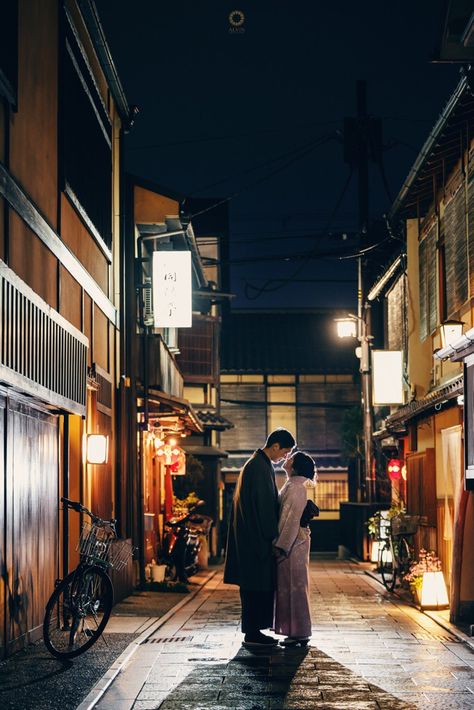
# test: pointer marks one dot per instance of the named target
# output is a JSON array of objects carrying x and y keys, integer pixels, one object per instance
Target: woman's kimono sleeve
[{"x": 292, "y": 507}]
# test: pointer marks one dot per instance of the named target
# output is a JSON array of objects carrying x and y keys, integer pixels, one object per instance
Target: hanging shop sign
[
  {"x": 172, "y": 289},
  {"x": 387, "y": 377}
]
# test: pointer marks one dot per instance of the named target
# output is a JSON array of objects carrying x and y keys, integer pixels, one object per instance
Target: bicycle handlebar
[{"x": 79, "y": 508}]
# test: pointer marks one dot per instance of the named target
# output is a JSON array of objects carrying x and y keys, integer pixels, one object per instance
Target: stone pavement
[{"x": 368, "y": 651}]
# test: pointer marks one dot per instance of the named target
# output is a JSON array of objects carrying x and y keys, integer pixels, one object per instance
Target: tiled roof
[
  {"x": 324, "y": 462},
  {"x": 285, "y": 342},
  {"x": 211, "y": 420}
]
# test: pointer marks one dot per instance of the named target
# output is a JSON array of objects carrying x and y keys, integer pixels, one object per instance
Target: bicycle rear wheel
[
  {"x": 77, "y": 612},
  {"x": 387, "y": 567}
]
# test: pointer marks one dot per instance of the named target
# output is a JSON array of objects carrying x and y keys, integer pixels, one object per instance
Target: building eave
[
  {"x": 428, "y": 147},
  {"x": 97, "y": 35},
  {"x": 438, "y": 396}
]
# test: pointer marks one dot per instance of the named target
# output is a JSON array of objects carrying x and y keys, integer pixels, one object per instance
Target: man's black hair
[{"x": 282, "y": 437}]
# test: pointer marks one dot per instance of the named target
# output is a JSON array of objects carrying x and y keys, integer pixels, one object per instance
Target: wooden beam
[{"x": 29, "y": 213}]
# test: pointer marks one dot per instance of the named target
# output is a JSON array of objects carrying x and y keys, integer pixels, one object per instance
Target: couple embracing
[{"x": 269, "y": 541}]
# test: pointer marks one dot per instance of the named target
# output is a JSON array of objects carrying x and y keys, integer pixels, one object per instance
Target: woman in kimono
[{"x": 292, "y": 614}]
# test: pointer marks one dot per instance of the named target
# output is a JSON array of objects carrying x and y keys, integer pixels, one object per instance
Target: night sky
[{"x": 259, "y": 112}]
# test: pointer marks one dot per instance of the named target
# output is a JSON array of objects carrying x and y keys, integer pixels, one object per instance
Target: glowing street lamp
[{"x": 346, "y": 327}]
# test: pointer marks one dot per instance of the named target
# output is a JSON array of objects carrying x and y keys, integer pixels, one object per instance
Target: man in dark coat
[{"x": 253, "y": 527}]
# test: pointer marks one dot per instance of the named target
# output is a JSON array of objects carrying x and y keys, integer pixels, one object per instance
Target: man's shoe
[{"x": 258, "y": 640}]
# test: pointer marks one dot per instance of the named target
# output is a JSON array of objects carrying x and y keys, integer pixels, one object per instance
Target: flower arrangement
[{"x": 427, "y": 562}]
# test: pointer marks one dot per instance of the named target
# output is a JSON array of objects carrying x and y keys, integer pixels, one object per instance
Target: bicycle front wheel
[
  {"x": 77, "y": 612},
  {"x": 388, "y": 568}
]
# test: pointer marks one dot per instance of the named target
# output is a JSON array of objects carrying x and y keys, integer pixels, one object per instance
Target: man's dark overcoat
[{"x": 253, "y": 526}]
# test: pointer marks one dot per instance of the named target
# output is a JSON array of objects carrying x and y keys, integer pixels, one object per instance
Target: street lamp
[
  {"x": 357, "y": 326},
  {"x": 451, "y": 330},
  {"x": 346, "y": 327}
]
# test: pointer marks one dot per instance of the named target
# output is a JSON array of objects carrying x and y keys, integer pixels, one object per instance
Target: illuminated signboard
[
  {"x": 387, "y": 377},
  {"x": 172, "y": 289}
]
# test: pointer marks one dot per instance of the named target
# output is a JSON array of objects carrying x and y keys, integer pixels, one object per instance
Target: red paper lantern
[{"x": 394, "y": 469}]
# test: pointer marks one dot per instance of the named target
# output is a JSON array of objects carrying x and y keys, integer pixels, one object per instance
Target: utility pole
[{"x": 362, "y": 141}]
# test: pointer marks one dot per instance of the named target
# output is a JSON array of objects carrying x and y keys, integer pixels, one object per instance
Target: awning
[
  {"x": 164, "y": 408},
  {"x": 436, "y": 398}
]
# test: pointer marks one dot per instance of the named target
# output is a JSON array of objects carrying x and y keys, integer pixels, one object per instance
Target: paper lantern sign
[
  {"x": 387, "y": 377},
  {"x": 172, "y": 289}
]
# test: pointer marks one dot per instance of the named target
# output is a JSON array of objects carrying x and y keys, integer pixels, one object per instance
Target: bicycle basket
[
  {"x": 120, "y": 553},
  {"x": 94, "y": 544},
  {"x": 405, "y": 524}
]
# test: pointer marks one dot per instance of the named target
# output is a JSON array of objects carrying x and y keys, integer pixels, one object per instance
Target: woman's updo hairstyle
[{"x": 303, "y": 465}]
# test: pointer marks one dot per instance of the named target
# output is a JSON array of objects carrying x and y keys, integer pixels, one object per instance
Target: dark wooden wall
[{"x": 29, "y": 520}]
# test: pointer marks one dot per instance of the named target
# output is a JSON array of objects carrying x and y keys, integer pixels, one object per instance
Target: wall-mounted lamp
[
  {"x": 97, "y": 448},
  {"x": 450, "y": 330}
]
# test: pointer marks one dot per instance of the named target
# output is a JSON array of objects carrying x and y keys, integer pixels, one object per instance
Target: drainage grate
[{"x": 167, "y": 639}]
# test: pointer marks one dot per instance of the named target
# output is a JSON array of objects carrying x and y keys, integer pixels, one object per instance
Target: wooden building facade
[
  {"x": 62, "y": 118},
  {"x": 429, "y": 284}
]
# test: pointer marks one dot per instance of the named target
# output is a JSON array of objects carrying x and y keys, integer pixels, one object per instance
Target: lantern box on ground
[{"x": 433, "y": 594}]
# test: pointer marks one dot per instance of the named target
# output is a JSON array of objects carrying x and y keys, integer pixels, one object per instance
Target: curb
[
  {"x": 446, "y": 625},
  {"x": 104, "y": 683}
]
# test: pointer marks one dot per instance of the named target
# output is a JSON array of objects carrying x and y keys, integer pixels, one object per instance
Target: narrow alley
[{"x": 367, "y": 651}]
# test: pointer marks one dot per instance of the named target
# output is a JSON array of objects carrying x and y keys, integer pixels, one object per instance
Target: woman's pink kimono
[{"x": 292, "y": 615}]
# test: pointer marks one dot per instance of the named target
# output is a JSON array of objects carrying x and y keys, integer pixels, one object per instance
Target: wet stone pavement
[{"x": 367, "y": 651}]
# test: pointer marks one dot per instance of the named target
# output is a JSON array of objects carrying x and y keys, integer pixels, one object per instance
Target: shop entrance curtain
[{"x": 452, "y": 471}]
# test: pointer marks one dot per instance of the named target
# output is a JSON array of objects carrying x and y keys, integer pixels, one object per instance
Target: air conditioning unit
[{"x": 148, "y": 317}]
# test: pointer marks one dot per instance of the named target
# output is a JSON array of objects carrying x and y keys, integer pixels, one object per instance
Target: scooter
[{"x": 181, "y": 544}]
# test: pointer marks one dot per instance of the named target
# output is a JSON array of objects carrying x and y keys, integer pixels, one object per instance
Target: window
[
  {"x": 329, "y": 493},
  {"x": 455, "y": 239},
  {"x": 197, "y": 350},
  {"x": 86, "y": 141},
  {"x": 396, "y": 315},
  {"x": 283, "y": 412},
  {"x": 9, "y": 51},
  {"x": 428, "y": 281}
]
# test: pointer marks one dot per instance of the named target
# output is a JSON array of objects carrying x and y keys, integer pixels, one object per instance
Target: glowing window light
[
  {"x": 172, "y": 289},
  {"x": 97, "y": 448}
]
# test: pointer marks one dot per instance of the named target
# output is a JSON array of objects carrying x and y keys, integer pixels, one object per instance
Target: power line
[
  {"x": 232, "y": 136},
  {"x": 260, "y": 180},
  {"x": 294, "y": 151},
  {"x": 267, "y": 287}
]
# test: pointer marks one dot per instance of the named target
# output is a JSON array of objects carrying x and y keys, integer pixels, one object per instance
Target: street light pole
[
  {"x": 366, "y": 399},
  {"x": 363, "y": 311}
]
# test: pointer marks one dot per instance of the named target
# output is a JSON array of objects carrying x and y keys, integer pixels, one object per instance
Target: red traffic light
[{"x": 394, "y": 469}]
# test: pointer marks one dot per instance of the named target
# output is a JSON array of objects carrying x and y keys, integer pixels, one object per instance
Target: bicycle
[
  {"x": 396, "y": 548},
  {"x": 79, "y": 608}
]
